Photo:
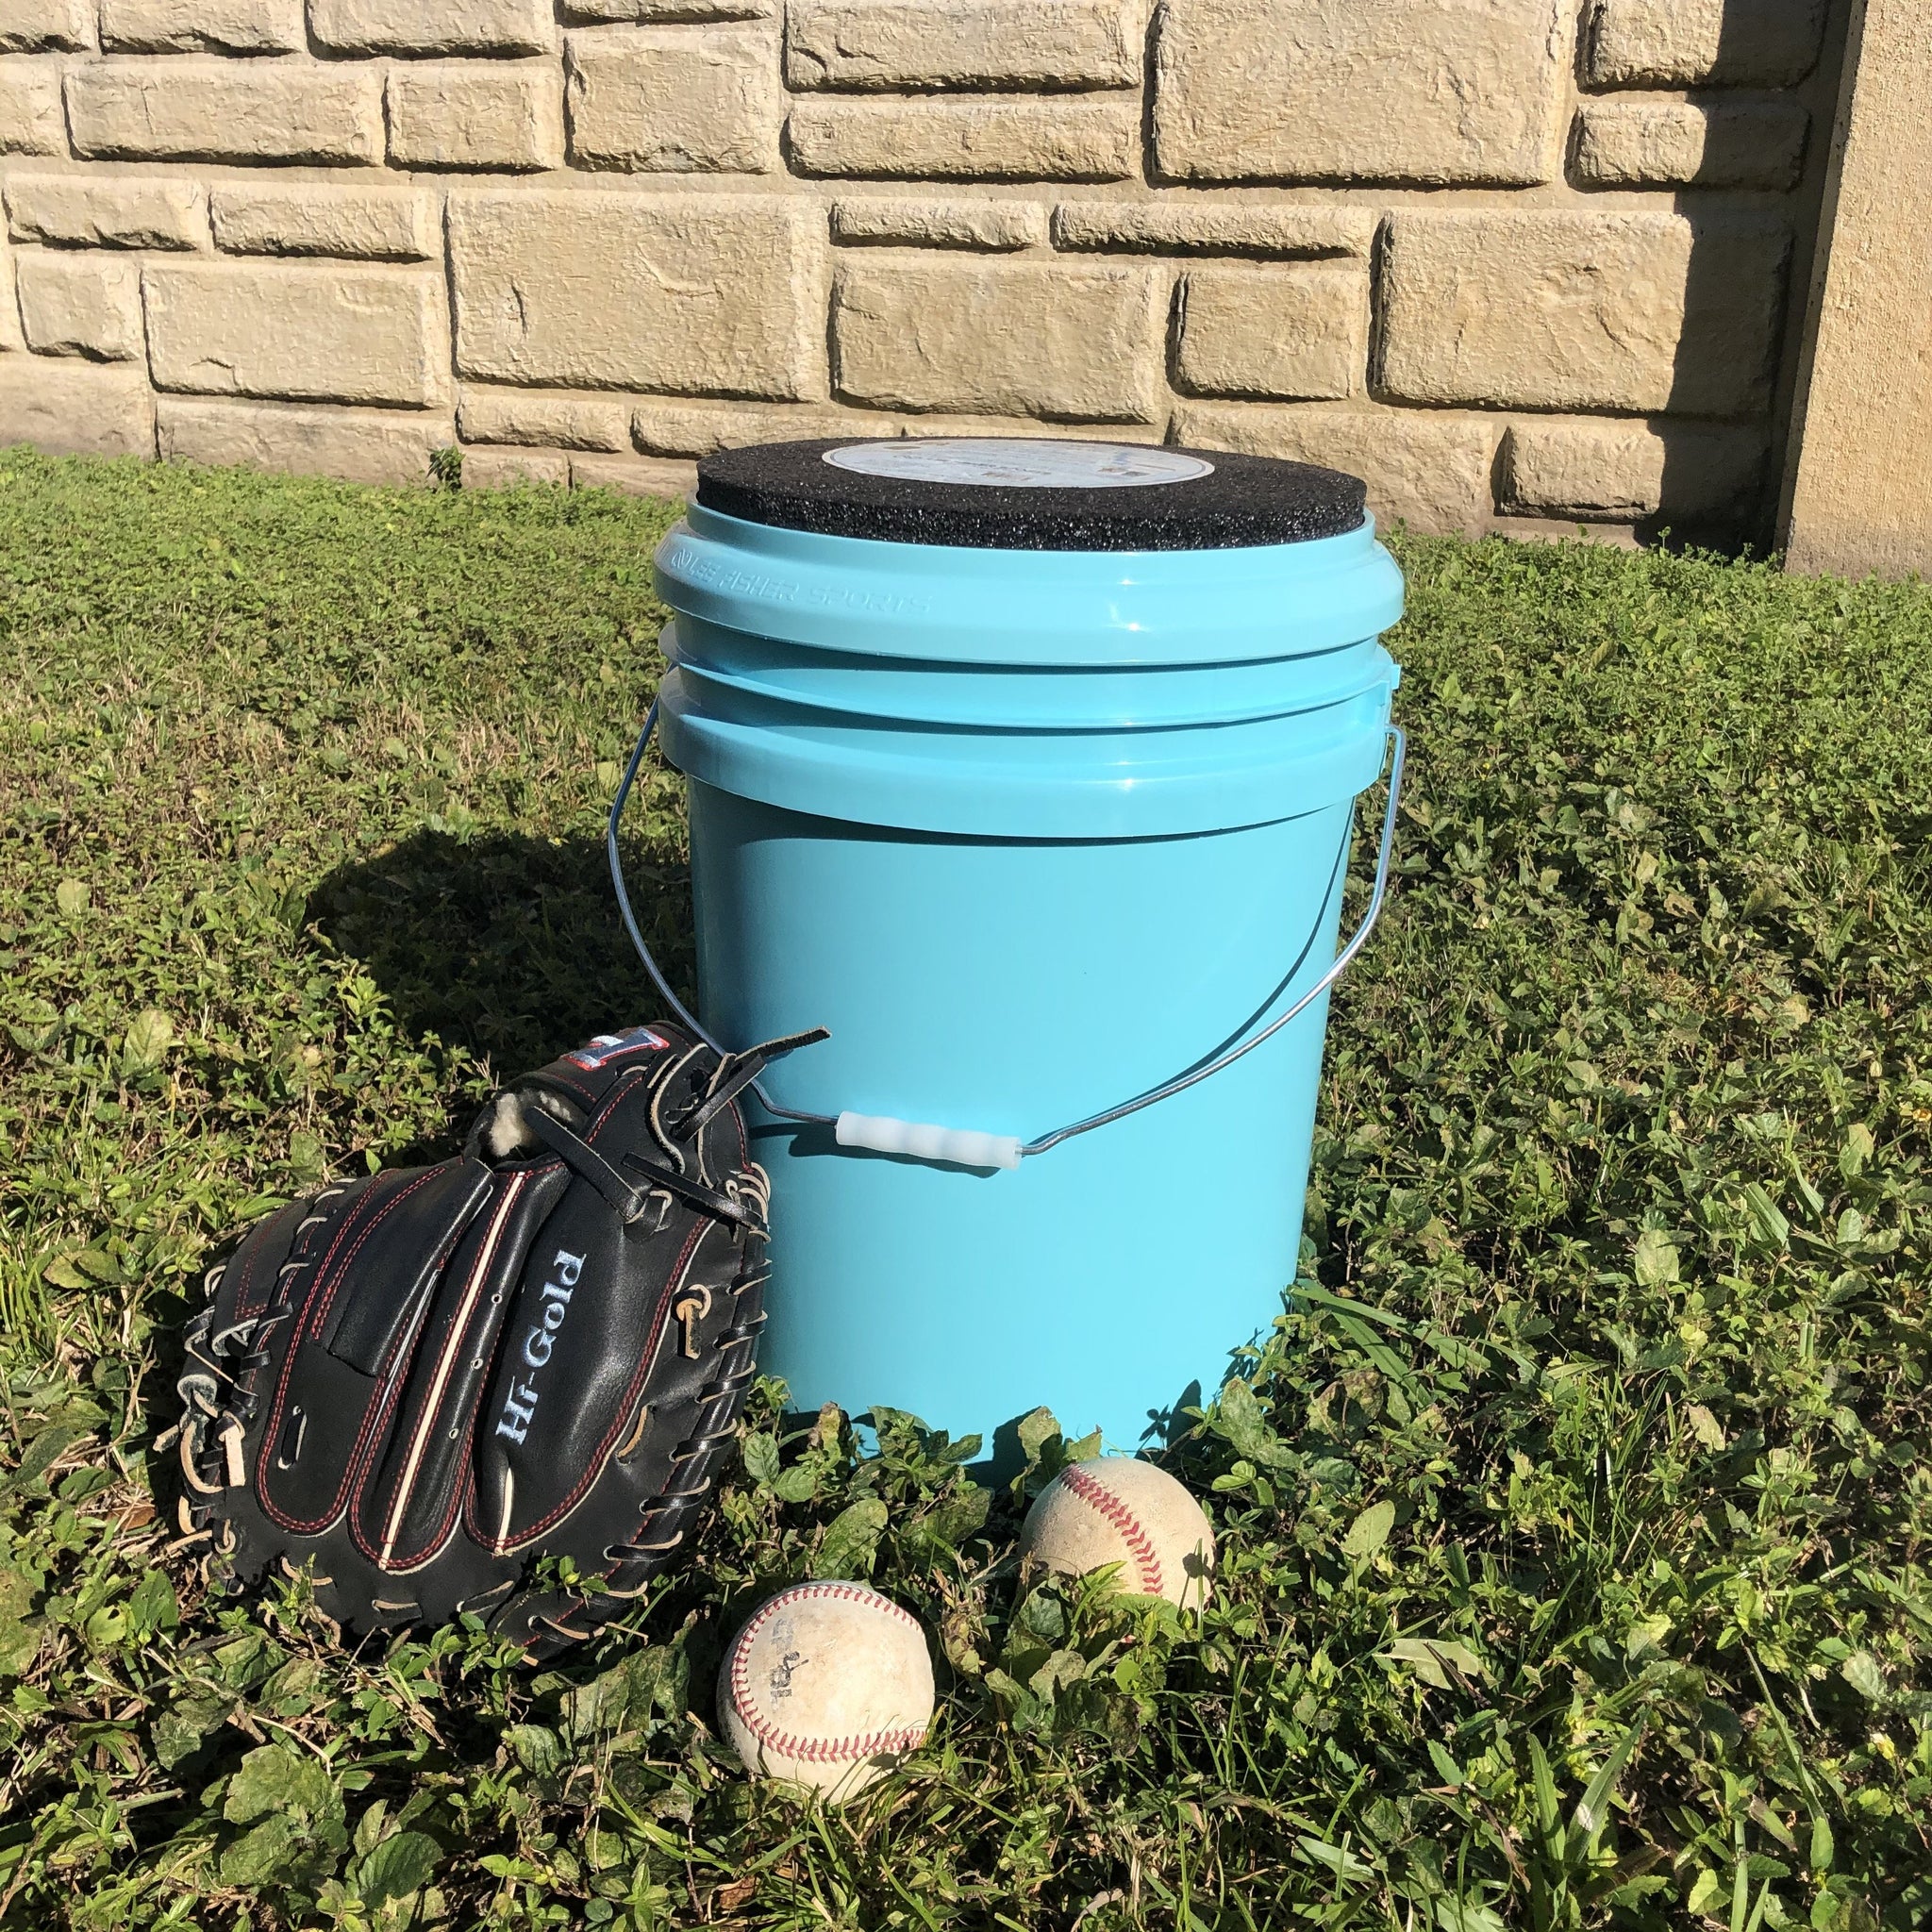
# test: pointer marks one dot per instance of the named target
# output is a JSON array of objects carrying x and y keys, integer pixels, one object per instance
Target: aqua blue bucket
[{"x": 1032, "y": 833}]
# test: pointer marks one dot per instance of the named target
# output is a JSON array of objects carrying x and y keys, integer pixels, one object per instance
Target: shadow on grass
[{"x": 507, "y": 945}]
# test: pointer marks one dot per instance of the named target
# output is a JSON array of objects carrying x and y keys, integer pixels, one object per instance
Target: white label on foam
[{"x": 1019, "y": 463}]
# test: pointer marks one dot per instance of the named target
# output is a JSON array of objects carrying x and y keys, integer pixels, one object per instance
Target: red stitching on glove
[
  {"x": 455, "y": 1343},
  {"x": 315, "y": 1311},
  {"x": 246, "y": 1303},
  {"x": 463, "y": 1492},
  {"x": 788, "y": 1744},
  {"x": 313, "y": 1328},
  {"x": 565, "y": 1080},
  {"x": 594, "y": 1467},
  {"x": 1098, "y": 1496},
  {"x": 627, "y": 1083},
  {"x": 396, "y": 1384}
]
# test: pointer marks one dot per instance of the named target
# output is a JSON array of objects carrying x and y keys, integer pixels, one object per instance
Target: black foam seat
[{"x": 1030, "y": 494}]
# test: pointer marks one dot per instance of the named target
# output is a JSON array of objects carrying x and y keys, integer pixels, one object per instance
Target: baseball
[
  {"x": 828, "y": 1686},
  {"x": 1118, "y": 1510}
]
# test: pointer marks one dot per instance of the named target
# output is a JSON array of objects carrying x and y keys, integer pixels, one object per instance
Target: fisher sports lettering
[{"x": 520, "y": 1405}]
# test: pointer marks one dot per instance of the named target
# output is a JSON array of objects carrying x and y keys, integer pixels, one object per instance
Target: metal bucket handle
[{"x": 967, "y": 1147}]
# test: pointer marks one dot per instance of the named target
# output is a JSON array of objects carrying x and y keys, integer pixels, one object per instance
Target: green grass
[{"x": 1575, "y": 1523}]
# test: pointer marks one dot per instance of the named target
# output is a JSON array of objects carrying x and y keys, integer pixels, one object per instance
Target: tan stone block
[
  {"x": 84, "y": 211},
  {"x": 1626, "y": 472},
  {"x": 12, "y": 338},
  {"x": 1044, "y": 137},
  {"x": 193, "y": 26},
  {"x": 702, "y": 292},
  {"x": 1223, "y": 228},
  {"x": 225, "y": 110},
  {"x": 1682, "y": 43},
  {"x": 360, "y": 224},
  {"x": 1707, "y": 143},
  {"x": 675, "y": 100},
  {"x": 634, "y": 475},
  {"x": 972, "y": 44},
  {"x": 1288, "y": 333},
  {"x": 69, "y": 407},
  {"x": 1431, "y": 472},
  {"x": 595, "y": 11},
  {"x": 433, "y": 26},
  {"x": 696, "y": 429},
  {"x": 944, "y": 422},
  {"x": 1373, "y": 91},
  {"x": 304, "y": 333},
  {"x": 476, "y": 115},
  {"x": 80, "y": 304},
  {"x": 359, "y": 446},
  {"x": 533, "y": 416},
  {"x": 508, "y": 469},
  {"x": 928, "y": 224},
  {"x": 31, "y": 120},
  {"x": 1567, "y": 310},
  {"x": 1007, "y": 338},
  {"x": 26, "y": 25}
]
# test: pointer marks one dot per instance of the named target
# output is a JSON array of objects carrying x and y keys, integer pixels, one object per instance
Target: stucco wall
[
  {"x": 1511, "y": 259},
  {"x": 1860, "y": 487}
]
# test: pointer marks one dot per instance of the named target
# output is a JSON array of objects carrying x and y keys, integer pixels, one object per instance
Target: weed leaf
[
  {"x": 851, "y": 1540},
  {"x": 1369, "y": 1531},
  {"x": 396, "y": 1866}
]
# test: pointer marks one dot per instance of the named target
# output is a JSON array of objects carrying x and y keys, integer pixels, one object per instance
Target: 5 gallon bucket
[{"x": 1028, "y": 769}]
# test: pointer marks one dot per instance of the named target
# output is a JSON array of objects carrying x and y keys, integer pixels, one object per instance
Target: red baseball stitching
[
  {"x": 1098, "y": 1496},
  {"x": 788, "y": 1744}
]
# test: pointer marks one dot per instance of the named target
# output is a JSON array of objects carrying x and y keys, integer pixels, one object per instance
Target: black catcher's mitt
[{"x": 430, "y": 1379}]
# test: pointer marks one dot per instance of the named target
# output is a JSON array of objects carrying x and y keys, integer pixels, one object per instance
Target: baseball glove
[{"x": 429, "y": 1380}]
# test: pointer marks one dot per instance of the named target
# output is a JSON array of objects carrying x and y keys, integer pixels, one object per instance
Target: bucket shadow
[{"x": 506, "y": 945}]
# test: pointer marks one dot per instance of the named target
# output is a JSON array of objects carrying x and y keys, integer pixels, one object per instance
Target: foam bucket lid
[{"x": 1026, "y": 493}]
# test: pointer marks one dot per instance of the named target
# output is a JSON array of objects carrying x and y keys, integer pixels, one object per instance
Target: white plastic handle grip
[{"x": 958, "y": 1146}]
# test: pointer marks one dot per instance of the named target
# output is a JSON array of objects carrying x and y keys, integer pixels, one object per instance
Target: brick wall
[{"x": 1511, "y": 259}]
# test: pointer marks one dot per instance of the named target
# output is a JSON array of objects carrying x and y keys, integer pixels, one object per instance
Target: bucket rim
[{"x": 1022, "y": 608}]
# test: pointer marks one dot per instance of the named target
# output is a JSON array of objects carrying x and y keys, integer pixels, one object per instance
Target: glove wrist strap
[{"x": 628, "y": 1201}]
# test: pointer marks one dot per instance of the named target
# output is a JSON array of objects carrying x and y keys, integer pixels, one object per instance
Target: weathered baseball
[
  {"x": 830, "y": 1685},
  {"x": 1118, "y": 1510}
]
